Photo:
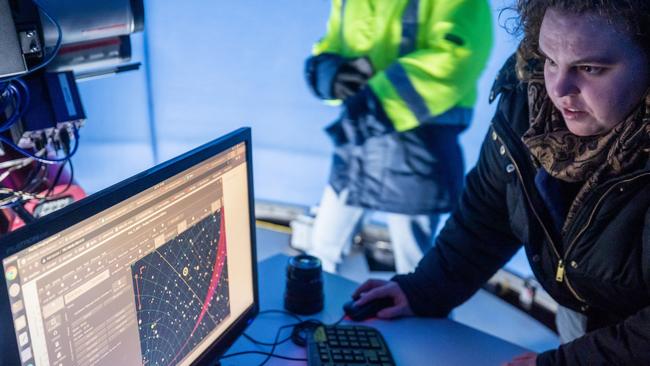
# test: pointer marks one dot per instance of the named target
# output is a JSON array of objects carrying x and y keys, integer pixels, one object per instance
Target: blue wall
[{"x": 212, "y": 66}]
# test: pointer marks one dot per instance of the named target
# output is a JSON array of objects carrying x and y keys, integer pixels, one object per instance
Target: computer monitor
[{"x": 157, "y": 270}]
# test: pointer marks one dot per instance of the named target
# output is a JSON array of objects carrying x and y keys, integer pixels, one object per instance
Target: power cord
[{"x": 299, "y": 335}]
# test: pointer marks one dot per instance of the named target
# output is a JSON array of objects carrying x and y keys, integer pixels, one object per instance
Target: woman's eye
[
  {"x": 550, "y": 62},
  {"x": 594, "y": 70}
]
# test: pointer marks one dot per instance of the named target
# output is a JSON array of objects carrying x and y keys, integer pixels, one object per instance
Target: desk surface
[{"x": 412, "y": 341}]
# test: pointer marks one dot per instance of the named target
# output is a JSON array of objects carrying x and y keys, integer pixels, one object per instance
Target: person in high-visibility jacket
[{"x": 406, "y": 72}]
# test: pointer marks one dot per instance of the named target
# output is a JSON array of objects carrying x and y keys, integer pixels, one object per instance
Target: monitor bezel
[{"x": 58, "y": 221}]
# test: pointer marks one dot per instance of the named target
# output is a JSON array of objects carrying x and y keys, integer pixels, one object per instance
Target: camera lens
[{"x": 304, "y": 291}]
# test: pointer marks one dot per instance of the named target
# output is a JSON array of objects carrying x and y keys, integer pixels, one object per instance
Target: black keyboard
[{"x": 343, "y": 345}]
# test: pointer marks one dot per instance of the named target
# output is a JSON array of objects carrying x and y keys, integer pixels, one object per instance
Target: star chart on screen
[{"x": 181, "y": 291}]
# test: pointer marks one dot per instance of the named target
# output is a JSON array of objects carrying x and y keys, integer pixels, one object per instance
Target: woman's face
[{"x": 594, "y": 74}]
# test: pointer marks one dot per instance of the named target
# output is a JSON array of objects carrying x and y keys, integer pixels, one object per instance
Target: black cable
[
  {"x": 71, "y": 178},
  {"x": 275, "y": 342},
  {"x": 298, "y": 335},
  {"x": 273, "y": 311},
  {"x": 280, "y": 311},
  {"x": 263, "y": 353},
  {"x": 302, "y": 330},
  {"x": 32, "y": 175},
  {"x": 56, "y": 180},
  {"x": 337, "y": 322},
  {"x": 261, "y": 343},
  {"x": 36, "y": 179},
  {"x": 299, "y": 319},
  {"x": 24, "y": 215}
]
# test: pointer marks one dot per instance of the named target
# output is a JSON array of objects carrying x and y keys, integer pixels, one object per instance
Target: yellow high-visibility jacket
[
  {"x": 417, "y": 82},
  {"x": 397, "y": 138}
]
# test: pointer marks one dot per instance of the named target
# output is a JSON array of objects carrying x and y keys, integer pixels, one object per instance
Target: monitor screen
[{"x": 157, "y": 270}]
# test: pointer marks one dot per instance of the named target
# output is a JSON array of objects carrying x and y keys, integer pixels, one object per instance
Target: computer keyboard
[{"x": 343, "y": 345}]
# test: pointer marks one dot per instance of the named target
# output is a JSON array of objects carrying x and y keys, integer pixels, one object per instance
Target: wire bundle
[{"x": 16, "y": 97}]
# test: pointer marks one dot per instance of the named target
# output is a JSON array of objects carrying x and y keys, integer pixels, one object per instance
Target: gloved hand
[{"x": 350, "y": 77}]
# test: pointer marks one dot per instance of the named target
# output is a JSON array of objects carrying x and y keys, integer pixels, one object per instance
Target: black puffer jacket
[{"x": 601, "y": 268}]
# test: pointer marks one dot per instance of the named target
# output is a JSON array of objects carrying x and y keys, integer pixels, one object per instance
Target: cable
[
  {"x": 15, "y": 196},
  {"x": 22, "y": 162},
  {"x": 298, "y": 336},
  {"x": 338, "y": 321},
  {"x": 301, "y": 331},
  {"x": 263, "y": 353},
  {"x": 21, "y": 102},
  {"x": 58, "y": 176},
  {"x": 16, "y": 92},
  {"x": 59, "y": 40},
  {"x": 275, "y": 342},
  {"x": 45, "y": 160},
  {"x": 26, "y": 186},
  {"x": 71, "y": 178},
  {"x": 35, "y": 178},
  {"x": 262, "y": 343},
  {"x": 57, "y": 46},
  {"x": 279, "y": 311},
  {"x": 12, "y": 165},
  {"x": 56, "y": 179}
]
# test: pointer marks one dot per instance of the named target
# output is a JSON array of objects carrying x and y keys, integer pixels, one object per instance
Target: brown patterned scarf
[{"x": 590, "y": 159}]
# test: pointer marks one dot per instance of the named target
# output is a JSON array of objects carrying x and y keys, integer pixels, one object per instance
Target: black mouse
[{"x": 367, "y": 310}]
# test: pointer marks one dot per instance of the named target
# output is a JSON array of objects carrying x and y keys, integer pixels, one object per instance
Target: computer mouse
[{"x": 367, "y": 310}]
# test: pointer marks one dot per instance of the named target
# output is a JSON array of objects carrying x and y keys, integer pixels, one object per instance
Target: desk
[{"x": 412, "y": 341}]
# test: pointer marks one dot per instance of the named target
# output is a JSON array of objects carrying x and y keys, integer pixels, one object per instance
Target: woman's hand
[
  {"x": 377, "y": 289},
  {"x": 526, "y": 359}
]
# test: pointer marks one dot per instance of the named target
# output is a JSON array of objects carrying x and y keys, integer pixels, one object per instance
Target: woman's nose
[{"x": 564, "y": 84}]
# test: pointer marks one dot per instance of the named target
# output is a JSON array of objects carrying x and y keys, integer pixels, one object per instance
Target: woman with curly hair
[{"x": 564, "y": 171}]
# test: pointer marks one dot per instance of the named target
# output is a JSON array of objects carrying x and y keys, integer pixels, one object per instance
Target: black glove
[{"x": 350, "y": 77}]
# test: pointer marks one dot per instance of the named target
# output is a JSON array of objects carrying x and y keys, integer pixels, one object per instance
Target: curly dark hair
[{"x": 629, "y": 16}]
